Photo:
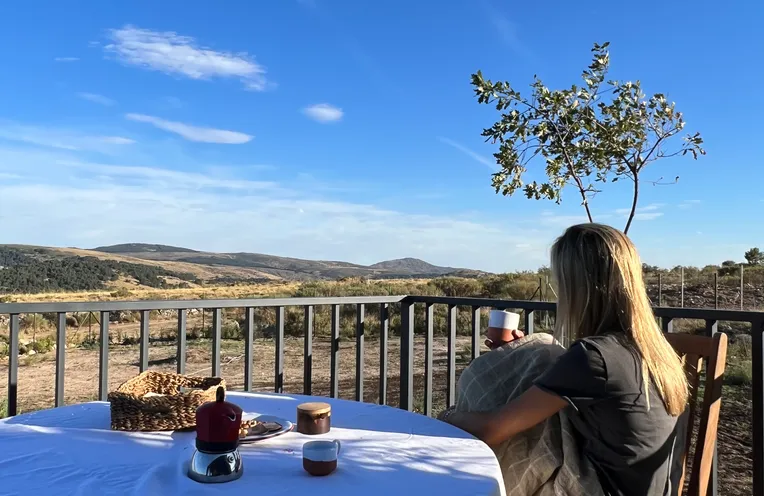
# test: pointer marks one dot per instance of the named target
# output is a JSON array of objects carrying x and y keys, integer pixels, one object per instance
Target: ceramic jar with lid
[{"x": 314, "y": 418}]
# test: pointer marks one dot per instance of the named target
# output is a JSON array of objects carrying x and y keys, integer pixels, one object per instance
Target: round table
[{"x": 385, "y": 451}]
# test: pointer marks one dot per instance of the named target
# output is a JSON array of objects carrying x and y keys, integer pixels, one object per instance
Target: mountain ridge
[{"x": 289, "y": 268}]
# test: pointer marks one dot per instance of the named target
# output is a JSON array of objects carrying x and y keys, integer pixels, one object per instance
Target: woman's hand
[{"x": 495, "y": 341}]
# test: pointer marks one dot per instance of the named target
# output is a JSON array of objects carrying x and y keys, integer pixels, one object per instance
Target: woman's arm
[{"x": 531, "y": 408}]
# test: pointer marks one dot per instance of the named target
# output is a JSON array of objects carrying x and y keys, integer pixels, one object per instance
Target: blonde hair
[{"x": 599, "y": 276}]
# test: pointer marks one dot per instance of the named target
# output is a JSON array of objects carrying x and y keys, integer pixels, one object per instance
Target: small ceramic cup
[
  {"x": 320, "y": 457},
  {"x": 501, "y": 327}
]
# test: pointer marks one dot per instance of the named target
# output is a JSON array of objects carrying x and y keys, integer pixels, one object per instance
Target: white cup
[{"x": 501, "y": 319}]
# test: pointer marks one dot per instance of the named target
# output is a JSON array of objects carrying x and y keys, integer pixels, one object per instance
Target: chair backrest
[{"x": 695, "y": 350}]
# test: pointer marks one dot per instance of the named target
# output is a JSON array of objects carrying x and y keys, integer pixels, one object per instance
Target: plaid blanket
[{"x": 545, "y": 460}]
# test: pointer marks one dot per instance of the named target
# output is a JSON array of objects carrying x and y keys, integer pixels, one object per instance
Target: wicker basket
[{"x": 131, "y": 410}]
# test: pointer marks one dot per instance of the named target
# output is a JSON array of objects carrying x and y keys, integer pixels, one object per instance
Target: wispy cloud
[
  {"x": 66, "y": 59},
  {"x": 193, "y": 133},
  {"x": 476, "y": 156},
  {"x": 172, "y": 53},
  {"x": 323, "y": 112},
  {"x": 117, "y": 140},
  {"x": 96, "y": 98},
  {"x": 551, "y": 219},
  {"x": 203, "y": 209},
  {"x": 688, "y": 204},
  {"x": 61, "y": 139},
  {"x": 180, "y": 178},
  {"x": 506, "y": 30},
  {"x": 648, "y": 212}
]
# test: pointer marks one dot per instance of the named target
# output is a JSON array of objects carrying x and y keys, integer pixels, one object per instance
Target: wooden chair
[{"x": 695, "y": 350}]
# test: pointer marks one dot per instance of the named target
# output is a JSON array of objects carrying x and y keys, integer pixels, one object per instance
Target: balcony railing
[{"x": 407, "y": 306}]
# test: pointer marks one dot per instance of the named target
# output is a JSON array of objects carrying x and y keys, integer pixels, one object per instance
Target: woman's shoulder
[
  {"x": 621, "y": 364},
  {"x": 609, "y": 344}
]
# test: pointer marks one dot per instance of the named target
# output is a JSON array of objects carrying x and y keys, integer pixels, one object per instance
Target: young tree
[
  {"x": 754, "y": 256},
  {"x": 599, "y": 132}
]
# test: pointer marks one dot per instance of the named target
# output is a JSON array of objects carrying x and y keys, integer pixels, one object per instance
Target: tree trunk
[{"x": 633, "y": 204}]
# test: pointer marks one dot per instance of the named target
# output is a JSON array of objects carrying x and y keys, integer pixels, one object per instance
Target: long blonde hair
[{"x": 599, "y": 277}]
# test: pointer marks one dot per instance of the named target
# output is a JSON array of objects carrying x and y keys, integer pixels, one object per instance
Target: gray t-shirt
[{"x": 635, "y": 450}]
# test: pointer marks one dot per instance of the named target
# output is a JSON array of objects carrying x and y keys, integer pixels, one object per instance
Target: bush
[
  {"x": 455, "y": 286},
  {"x": 121, "y": 293},
  {"x": 43, "y": 345},
  {"x": 739, "y": 373},
  {"x": 34, "y": 322},
  {"x": 25, "y": 273}
]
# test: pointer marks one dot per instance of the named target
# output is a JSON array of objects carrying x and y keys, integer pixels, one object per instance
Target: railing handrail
[
  {"x": 142, "y": 305},
  {"x": 485, "y": 302},
  {"x": 672, "y": 312}
]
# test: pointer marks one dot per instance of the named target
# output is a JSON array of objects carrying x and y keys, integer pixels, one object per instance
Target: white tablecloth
[{"x": 385, "y": 451}]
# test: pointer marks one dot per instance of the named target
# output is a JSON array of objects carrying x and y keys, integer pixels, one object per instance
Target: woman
[{"x": 624, "y": 381}]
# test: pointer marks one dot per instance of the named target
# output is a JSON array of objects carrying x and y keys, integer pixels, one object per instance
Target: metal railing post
[
  {"x": 61, "y": 357},
  {"x": 217, "y": 335},
  {"x": 451, "y": 360},
  {"x": 428, "y": 343},
  {"x": 13, "y": 364},
  {"x": 384, "y": 327},
  {"x": 757, "y": 403},
  {"x": 407, "y": 356},
  {"x": 180, "y": 352},
  {"x": 334, "y": 378},
  {"x": 103, "y": 358},
  {"x": 475, "y": 332},
  {"x": 307, "y": 374},
  {"x": 360, "y": 328},
  {"x": 249, "y": 330},
  {"x": 278, "y": 385}
]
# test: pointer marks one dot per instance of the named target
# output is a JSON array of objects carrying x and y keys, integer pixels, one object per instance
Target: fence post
[
  {"x": 660, "y": 290},
  {"x": 451, "y": 358},
  {"x": 757, "y": 332},
  {"x": 407, "y": 356},
  {"x": 681, "y": 297},
  {"x": 716, "y": 289},
  {"x": 741, "y": 286}
]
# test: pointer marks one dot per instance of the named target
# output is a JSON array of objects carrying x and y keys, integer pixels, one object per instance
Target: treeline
[{"x": 24, "y": 273}]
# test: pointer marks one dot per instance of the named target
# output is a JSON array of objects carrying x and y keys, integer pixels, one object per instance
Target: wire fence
[{"x": 731, "y": 288}]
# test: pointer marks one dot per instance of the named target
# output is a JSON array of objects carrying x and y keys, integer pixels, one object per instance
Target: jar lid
[{"x": 314, "y": 408}]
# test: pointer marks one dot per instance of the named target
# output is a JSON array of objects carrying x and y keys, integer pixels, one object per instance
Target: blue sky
[{"x": 348, "y": 130}]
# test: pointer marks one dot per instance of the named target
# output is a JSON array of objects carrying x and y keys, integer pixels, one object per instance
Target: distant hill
[
  {"x": 284, "y": 267},
  {"x": 141, "y": 247},
  {"x": 412, "y": 266},
  {"x": 32, "y": 269}
]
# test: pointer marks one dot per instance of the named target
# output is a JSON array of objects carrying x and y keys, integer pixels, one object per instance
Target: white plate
[{"x": 286, "y": 426}]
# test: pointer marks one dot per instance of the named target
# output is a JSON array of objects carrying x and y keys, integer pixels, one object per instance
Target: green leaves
[{"x": 595, "y": 133}]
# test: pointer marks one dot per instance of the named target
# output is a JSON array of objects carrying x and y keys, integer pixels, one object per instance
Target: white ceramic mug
[
  {"x": 320, "y": 457},
  {"x": 501, "y": 327}
]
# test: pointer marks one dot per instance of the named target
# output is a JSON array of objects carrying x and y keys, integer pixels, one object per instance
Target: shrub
[
  {"x": 42, "y": 345},
  {"x": 739, "y": 373},
  {"x": 121, "y": 293},
  {"x": 455, "y": 286},
  {"x": 34, "y": 322}
]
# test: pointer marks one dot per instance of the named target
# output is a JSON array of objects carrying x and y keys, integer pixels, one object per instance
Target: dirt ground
[{"x": 37, "y": 376}]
